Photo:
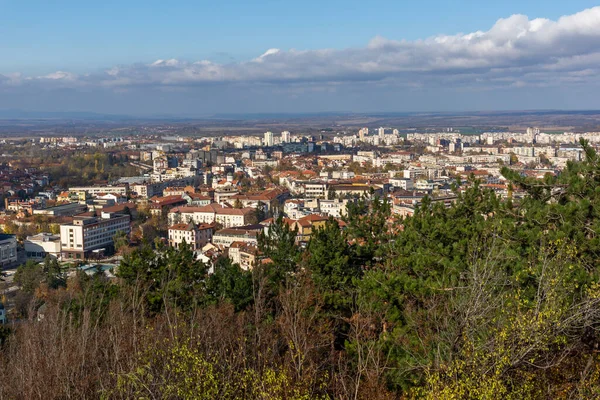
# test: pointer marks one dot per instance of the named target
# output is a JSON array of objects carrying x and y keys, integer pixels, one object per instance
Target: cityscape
[{"x": 221, "y": 229}]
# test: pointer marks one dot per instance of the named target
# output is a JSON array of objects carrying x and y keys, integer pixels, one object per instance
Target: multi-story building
[
  {"x": 424, "y": 185},
  {"x": 268, "y": 199},
  {"x": 234, "y": 252},
  {"x": 248, "y": 256},
  {"x": 268, "y": 140},
  {"x": 196, "y": 236},
  {"x": 148, "y": 190},
  {"x": 123, "y": 190},
  {"x": 413, "y": 173},
  {"x": 89, "y": 234},
  {"x": 163, "y": 162},
  {"x": 363, "y": 133},
  {"x": 402, "y": 183},
  {"x": 243, "y": 254},
  {"x": 43, "y": 244},
  {"x": 72, "y": 197},
  {"x": 336, "y": 208},
  {"x": 69, "y": 139},
  {"x": 226, "y": 237},
  {"x": 316, "y": 190},
  {"x": 8, "y": 249},
  {"x": 227, "y": 217},
  {"x": 305, "y": 226},
  {"x": 225, "y": 194},
  {"x": 161, "y": 205},
  {"x": 178, "y": 190},
  {"x": 286, "y": 137},
  {"x": 196, "y": 199},
  {"x": 528, "y": 151}
]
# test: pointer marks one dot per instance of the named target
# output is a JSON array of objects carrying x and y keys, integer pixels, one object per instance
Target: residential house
[
  {"x": 244, "y": 254},
  {"x": 196, "y": 236}
]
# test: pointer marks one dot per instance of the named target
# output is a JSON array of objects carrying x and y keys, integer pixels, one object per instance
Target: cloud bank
[{"x": 516, "y": 52}]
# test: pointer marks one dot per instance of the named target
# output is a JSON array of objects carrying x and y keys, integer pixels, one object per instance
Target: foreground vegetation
[{"x": 486, "y": 299}]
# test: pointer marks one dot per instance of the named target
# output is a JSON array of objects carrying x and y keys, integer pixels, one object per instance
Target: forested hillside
[{"x": 487, "y": 299}]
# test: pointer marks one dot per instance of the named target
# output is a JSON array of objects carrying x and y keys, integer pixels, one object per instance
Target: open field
[{"x": 469, "y": 123}]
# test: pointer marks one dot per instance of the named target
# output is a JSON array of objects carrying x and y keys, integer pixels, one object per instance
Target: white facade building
[
  {"x": 268, "y": 139},
  {"x": 336, "y": 208},
  {"x": 228, "y": 217},
  {"x": 39, "y": 246},
  {"x": 87, "y": 234},
  {"x": 402, "y": 183},
  {"x": 316, "y": 190}
]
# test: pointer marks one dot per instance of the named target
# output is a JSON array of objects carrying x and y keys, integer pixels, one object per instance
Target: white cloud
[
  {"x": 60, "y": 76},
  {"x": 266, "y": 54},
  {"x": 165, "y": 63},
  {"x": 515, "y": 52}
]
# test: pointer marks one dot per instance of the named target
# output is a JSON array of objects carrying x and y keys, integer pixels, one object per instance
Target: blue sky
[{"x": 84, "y": 39}]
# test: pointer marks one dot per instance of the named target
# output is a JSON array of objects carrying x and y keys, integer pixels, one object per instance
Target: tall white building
[
  {"x": 381, "y": 132},
  {"x": 286, "y": 137},
  {"x": 268, "y": 139},
  {"x": 363, "y": 133},
  {"x": 86, "y": 234}
]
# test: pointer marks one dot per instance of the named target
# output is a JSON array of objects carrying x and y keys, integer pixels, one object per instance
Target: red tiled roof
[
  {"x": 119, "y": 207},
  {"x": 213, "y": 208},
  {"x": 182, "y": 227},
  {"x": 157, "y": 199}
]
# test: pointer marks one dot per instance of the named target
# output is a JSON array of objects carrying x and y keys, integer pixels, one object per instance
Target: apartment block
[
  {"x": 227, "y": 217},
  {"x": 8, "y": 249},
  {"x": 90, "y": 234},
  {"x": 122, "y": 190}
]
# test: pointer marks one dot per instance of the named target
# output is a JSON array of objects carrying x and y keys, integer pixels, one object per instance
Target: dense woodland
[
  {"x": 486, "y": 299},
  {"x": 69, "y": 167}
]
